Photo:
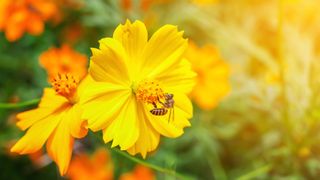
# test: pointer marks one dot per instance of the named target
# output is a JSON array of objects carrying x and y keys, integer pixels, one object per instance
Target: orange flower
[
  {"x": 213, "y": 73},
  {"x": 64, "y": 60},
  {"x": 20, "y": 16},
  {"x": 126, "y": 4},
  {"x": 144, "y": 4},
  {"x": 98, "y": 167},
  {"x": 71, "y": 4},
  {"x": 139, "y": 173},
  {"x": 72, "y": 34}
]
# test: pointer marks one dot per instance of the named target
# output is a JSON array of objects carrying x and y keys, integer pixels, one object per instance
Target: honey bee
[
  {"x": 167, "y": 104},
  {"x": 159, "y": 111}
]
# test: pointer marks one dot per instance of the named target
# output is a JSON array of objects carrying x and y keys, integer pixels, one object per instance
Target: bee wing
[{"x": 171, "y": 115}]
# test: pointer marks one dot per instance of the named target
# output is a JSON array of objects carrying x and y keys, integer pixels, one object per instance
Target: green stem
[
  {"x": 152, "y": 166},
  {"x": 19, "y": 105}
]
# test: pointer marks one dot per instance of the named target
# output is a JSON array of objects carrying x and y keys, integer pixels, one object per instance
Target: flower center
[
  {"x": 65, "y": 85},
  {"x": 150, "y": 92}
]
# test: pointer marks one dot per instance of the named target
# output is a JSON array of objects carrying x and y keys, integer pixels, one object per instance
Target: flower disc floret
[
  {"x": 65, "y": 85},
  {"x": 150, "y": 92}
]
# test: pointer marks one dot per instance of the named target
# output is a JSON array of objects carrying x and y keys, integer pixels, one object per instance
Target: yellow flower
[
  {"x": 133, "y": 76},
  {"x": 57, "y": 120},
  {"x": 144, "y": 5},
  {"x": 213, "y": 73}
]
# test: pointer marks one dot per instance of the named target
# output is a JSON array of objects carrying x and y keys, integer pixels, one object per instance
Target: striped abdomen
[{"x": 159, "y": 111}]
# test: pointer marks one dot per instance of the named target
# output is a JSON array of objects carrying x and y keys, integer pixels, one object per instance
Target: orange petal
[{"x": 35, "y": 26}]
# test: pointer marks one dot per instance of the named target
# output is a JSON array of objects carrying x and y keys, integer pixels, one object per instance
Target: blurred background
[{"x": 256, "y": 103}]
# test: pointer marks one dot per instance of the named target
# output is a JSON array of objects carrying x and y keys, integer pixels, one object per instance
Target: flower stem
[
  {"x": 152, "y": 166},
  {"x": 19, "y": 105}
]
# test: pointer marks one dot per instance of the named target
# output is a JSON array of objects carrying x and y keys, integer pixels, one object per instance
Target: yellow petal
[
  {"x": 219, "y": 72},
  {"x": 183, "y": 103},
  {"x": 124, "y": 130},
  {"x": 207, "y": 96},
  {"x": 101, "y": 103},
  {"x": 133, "y": 37},
  {"x": 84, "y": 84},
  {"x": 163, "y": 125},
  {"x": 59, "y": 147},
  {"x": 77, "y": 125},
  {"x": 98, "y": 89},
  {"x": 51, "y": 100},
  {"x": 99, "y": 74},
  {"x": 183, "y": 110},
  {"x": 183, "y": 74},
  {"x": 28, "y": 118},
  {"x": 111, "y": 59},
  {"x": 148, "y": 137},
  {"x": 164, "y": 50},
  {"x": 180, "y": 118},
  {"x": 212, "y": 87},
  {"x": 50, "y": 103},
  {"x": 36, "y": 136},
  {"x": 101, "y": 112}
]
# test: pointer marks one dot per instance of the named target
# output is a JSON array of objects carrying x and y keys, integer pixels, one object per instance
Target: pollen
[
  {"x": 65, "y": 85},
  {"x": 150, "y": 92}
]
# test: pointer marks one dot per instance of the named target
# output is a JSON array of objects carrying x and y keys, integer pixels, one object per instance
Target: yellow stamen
[
  {"x": 65, "y": 85},
  {"x": 149, "y": 91}
]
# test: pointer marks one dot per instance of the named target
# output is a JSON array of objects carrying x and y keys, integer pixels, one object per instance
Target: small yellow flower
[
  {"x": 213, "y": 73},
  {"x": 134, "y": 76},
  {"x": 57, "y": 120}
]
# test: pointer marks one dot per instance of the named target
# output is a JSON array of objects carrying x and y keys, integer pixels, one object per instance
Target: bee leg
[
  {"x": 170, "y": 114},
  {"x": 154, "y": 105},
  {"x": 173, "y": 114},
  {"x": 162, "y": 103}
]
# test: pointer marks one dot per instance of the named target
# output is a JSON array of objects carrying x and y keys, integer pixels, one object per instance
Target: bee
[
  {"x": 159, "y": 111},
  {"x": 167, "y": 104}
]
